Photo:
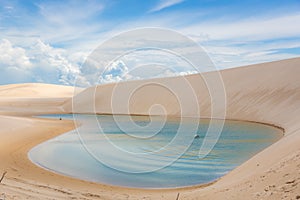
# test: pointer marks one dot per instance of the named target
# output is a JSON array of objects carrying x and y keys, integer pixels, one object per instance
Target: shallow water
[{"x": 87, "y": 153}]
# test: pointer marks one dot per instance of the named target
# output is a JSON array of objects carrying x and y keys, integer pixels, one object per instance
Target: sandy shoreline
[{"x": 272, "y": 97}]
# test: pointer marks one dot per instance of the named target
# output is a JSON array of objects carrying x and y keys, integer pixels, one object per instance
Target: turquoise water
[{"x": 89, "y": 155}]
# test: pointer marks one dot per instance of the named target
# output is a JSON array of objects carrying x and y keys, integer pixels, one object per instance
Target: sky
[{"x": 49, "y": 41}]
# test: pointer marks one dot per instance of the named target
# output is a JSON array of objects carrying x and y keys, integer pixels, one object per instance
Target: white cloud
[
  {"x": 165, "y": 4},
  {"x": 248, "y": 41},
  {"x": 170, "y": 73},
  {"x": 69, "y": 12},
  {"x": 259, "y": 28},
  {"x": 64, "y": 24},
  {"x": 232, "y": 54},
  {"x": 67, "y": 22},
  {"x": 52, "y": 64},
  {"x": 39, "y": 63},
  {"x": 14, "y": 63},
  {"x": 119, "y": 71},
  {"x": 73, "y": 27},
  {"x": 232, "y": 43},
  {"x": 245, "y": 56},
  {"x": 11, "y": 56}
]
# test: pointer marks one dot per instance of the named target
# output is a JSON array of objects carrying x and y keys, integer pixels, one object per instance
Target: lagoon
[{"x": 133, "y": 153}]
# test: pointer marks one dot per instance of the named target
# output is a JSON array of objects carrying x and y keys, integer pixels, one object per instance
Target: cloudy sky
[{"x": 48, "y": 41}]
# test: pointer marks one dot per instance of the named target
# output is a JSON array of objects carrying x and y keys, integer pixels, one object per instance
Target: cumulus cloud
[
  {"x": 51, "y": 64},
  {"x": 119, "y": 71},
  {"x": 41, "y": 62},
  {"x": 11, "y": 56},
  {"x": 38, "y": 63},
  {"x": 14, "y": 63}
]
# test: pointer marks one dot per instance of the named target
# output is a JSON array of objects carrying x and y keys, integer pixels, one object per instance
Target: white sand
[
  {"x": 34, "y": 98},
  {"x": 267, "y": 93}
]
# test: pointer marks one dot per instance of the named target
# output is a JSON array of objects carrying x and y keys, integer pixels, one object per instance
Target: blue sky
[{"x": 47, "y": 41}]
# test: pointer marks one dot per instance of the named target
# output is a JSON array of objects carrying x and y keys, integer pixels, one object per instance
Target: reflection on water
[{"x": 66, "y": 154}]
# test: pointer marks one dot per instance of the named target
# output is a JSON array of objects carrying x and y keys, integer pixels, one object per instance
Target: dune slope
[
  {"x": 267, "y": 93},
  {"x": 33, "y": 98}
]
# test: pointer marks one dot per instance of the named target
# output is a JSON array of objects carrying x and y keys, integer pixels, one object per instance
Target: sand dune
[
  {"x": 267, "y": 93},
  {"x": 35, "y": 90},
  {"x": 257, "y": 93},
  {"x": 33, "y": 98}
]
